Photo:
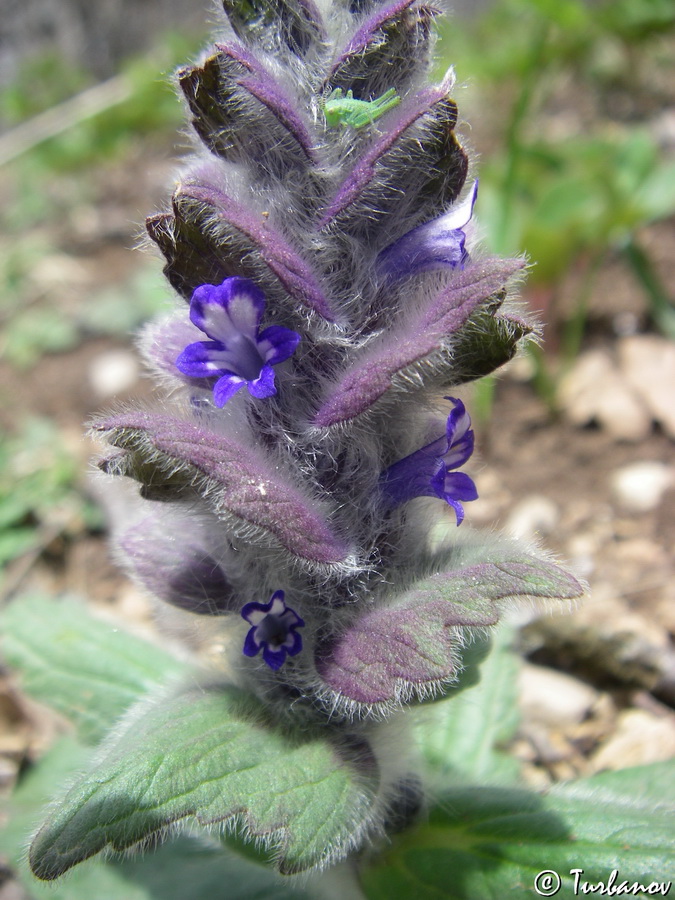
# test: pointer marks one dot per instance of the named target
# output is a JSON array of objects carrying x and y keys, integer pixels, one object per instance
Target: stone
[
  {"x": 648, "y": 365},
  {"x": 112, "y": 373},
  {"x": 640, "y": 738},
  {"x": 639, "y": 487},
  {"x": 595, "y": 390},
  {"x": 533, "y": 515},
  {"x": 553, "y": 698}
]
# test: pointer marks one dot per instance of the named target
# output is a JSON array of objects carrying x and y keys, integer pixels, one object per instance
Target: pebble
[
  {"x": 595, "y": 390},
  {"x": 648, "y": 365},
  {"x": 533, "y": 515},
  {"x": 607, "y": 638},
  {"x": 640, "y": 738},
  {"x": 553, "y": 698},
  {"x": 112, "y": 373},
  {"x": 639, "y": 487}
]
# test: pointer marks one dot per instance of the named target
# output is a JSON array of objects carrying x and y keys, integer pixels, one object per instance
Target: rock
[
  {"x": 533, "y": 515},
  {"x": 553, "y": 698},
  {"x": 639, "y": 487},
  {"x": 640, "y": 738},
  {"x": 648, "y": 364},
  {"x": 113, "y": 373},
  {"x": 594, "y": 390},
  {"x": 604, "y": 639}
]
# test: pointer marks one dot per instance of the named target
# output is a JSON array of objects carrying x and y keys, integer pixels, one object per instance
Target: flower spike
[
  {"x": 274, "y": 630},
  {"x": 238, "y": 353},
  {"x": 434, "y": 245},
  {"x": 428, "y": 472}
]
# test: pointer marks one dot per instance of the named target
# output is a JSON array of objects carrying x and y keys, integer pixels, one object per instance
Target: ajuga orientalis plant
[{"x": 331, "y": 300}]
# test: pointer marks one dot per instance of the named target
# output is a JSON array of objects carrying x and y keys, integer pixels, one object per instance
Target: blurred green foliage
[
  {"x": 151, "y": 106},
  {"x": 573, "y": 169},
  {"x": 119, "y": 311},
  {"x": 39, "y": 494}
]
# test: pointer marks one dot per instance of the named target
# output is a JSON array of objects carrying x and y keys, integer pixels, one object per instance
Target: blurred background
[{"x": 569, "y": 109}]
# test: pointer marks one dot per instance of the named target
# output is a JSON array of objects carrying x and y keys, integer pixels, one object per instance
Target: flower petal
[
  {"x": 428, "y": 471},
  {"x": 274, "y": 630},
  {"x": 226, "y": 387},
  {"x": 459, "y": 486},
  {"x": 291, "y": 619},
  {"x": 435, "y": 244},
  {"x": 224, "y": 311},
  {"x": 277, "y": 605},
  {"x": 251, "y": 645},
  {"x": 458, "y": 508},
  {"x": 460, "y": 437},
  {"x": 200, "y": 360},
  {"x": 255, "y": 612},
  {"x": 274, "y": 658},
  {"x": 263, "y": 385},
  {"x": 275, "y": 344},
  {"x": 293, "y": 643}
]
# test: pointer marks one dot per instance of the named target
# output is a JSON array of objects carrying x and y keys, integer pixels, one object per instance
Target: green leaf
[
  {"x": 34, "y": 332},
  {"x": 214, "y": 754},
  {"x": 184, "y": 868},
  {"x": 654, "y": 782},
  {"x": 35, "y": 789},
  {"x": 482, "y": 843},
  {"x": 461, "y": 735},
  {"x": 83, "y": 667},
  {"x": 395, "y": 651},
  {"x": 180, "y": 868}
]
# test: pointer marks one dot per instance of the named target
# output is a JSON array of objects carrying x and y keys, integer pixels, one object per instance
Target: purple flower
[
  {"x": 238, "y": 354},
  {"x": 428, "y": 472},
  {"x": 433, "y": 245},
  {"x": 274, "y": 630}
]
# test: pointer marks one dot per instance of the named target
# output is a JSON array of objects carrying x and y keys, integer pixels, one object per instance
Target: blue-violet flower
[
  {"x": 274, "y": 630},
  {"x": 433, "y": 245},
  {"x": 428, "y": 472},
  {"x": 238, "y": 354}
]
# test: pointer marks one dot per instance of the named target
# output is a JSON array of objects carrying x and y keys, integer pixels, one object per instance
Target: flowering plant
[{"x": 334, "y": 274}]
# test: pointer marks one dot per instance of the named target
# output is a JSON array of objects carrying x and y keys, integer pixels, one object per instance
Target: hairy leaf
[
  {"x": 241, "y": 112},
  {"x": 176, "y": 566},
  {"x": 292, "y": 24},
  {"x": 414, "y": 170},
  {"x": 487, "y": 342},
  {"x": 416, "y": 338},
  {"x": 414, "y": 641},
  {"x": 489, "y": 842},
  {"x": 385, "y": 51},
  {"x": 226, "y": 223},
  {"x": 235, "y": 479},
  {"x": 85, "y": 668},
  {"x": 212, "y": 755},
  {"x": 179, "y": 869}
]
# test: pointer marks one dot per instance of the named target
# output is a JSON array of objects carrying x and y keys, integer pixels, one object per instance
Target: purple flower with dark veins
[
  {"x": 274, "y": 630},
  {"x": 434, "y": 245},
  {"x": 428, "y": 472},
  {"x": 238, "y": 353}
]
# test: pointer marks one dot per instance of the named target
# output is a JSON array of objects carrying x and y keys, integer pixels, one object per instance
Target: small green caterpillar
[{"x": 341, "y": 110}]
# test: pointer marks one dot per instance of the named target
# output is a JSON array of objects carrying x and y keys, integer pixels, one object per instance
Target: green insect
[{"x": 340, "y": 110}]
